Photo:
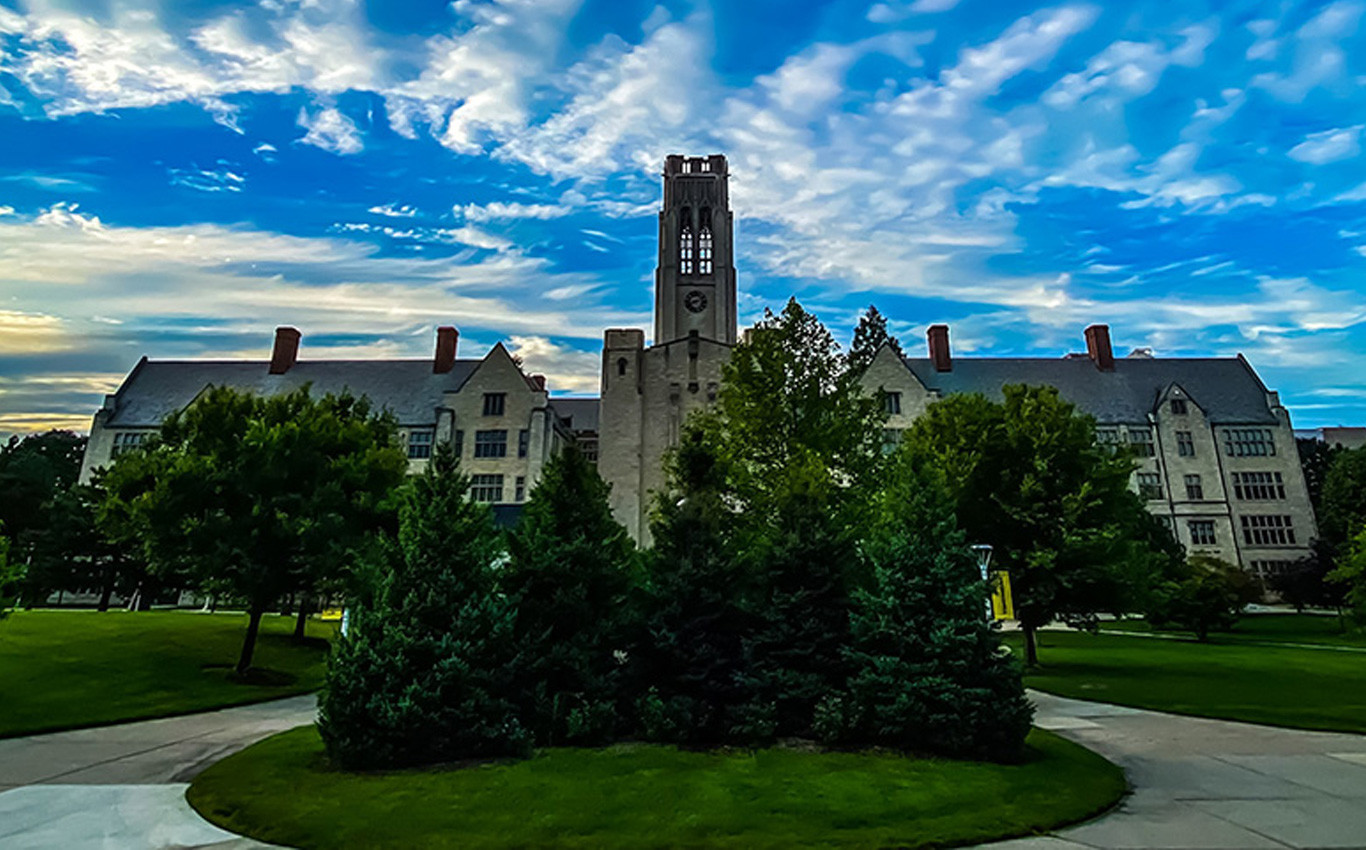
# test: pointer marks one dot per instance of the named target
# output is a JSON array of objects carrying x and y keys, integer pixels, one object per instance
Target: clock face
[{"x": 695, "y": 301}]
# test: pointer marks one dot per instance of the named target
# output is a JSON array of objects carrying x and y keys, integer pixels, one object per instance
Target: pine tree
[
  {"x": 870, "y": 335},
  {"x": 569, "y": 577},
  {"x": 927, "y": 670},
  {"x": 422, "y": 676},
  {"x": 689, "y": 659}
]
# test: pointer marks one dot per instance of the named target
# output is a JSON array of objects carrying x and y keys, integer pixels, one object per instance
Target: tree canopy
[
  {"x": 1027, "y": 477},
  {"x": 254, "y": 496},
  {"x": 870, "y": 336}
]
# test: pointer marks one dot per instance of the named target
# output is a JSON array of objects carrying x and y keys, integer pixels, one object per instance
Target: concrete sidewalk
[
  {"x": 1210, "y": 784},
  {"x": 123, "y": 787}
]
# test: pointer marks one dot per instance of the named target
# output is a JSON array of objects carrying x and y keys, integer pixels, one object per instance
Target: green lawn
[
  {"x": 66, "y": 669},
  {"x": 1305, "y": 688},
  {"x": 1268, "y": 628},
  {"x": 639, "y": 796}
]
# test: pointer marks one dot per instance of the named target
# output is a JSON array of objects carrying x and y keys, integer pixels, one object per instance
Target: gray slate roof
[
  {"x": 1225, "y": 388},
  {"x": 582, "y": 412},
  {"x": 407, "y": 388}
]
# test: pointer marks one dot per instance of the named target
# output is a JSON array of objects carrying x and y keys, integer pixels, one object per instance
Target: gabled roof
[
  {"x": 582, "y": 413},
  {"x": 1225, "y": 388},
  {"x": 407, "y": 388}
]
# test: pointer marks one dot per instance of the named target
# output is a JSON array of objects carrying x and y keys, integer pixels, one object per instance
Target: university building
[{"x": 1218, "y": 461}]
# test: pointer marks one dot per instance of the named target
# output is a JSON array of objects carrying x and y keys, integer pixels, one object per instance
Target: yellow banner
[{"x": 1002, "y": 604}]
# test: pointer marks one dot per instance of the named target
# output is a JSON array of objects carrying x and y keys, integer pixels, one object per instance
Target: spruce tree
[
  {"x": 569, "y": 576},
  {"x": 423, "y": 674},
  {"x": 870, "y": 335},
  {"x": 689, "y": 659},
  {"x": 927, "y": 671}
]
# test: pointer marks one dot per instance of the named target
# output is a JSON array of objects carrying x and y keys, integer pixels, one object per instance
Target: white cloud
[
  {"x": 216, "y": 180},
  {"x": 500, "y": 211},
  {"x": 1329, "y": 146},
  {"x": 393, "y": 210},
  {"x": 330, "y": 130}
]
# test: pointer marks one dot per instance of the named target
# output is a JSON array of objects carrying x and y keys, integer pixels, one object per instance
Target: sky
[{"x": 179, "y": 178}]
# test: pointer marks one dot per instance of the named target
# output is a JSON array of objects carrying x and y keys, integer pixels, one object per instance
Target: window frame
[
  {"x": 486, "y": 484},
  {"x": 420, "y": 449},
  {"x": 495, "y": 404},
  {"x": 491, "y": 443},
  {"x": 1195, "y": 488},
  {"x": 1206, "y": 530}
]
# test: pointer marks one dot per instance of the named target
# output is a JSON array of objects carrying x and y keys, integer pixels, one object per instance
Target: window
[
  {"x": 1185, "y": 446},
  {"x": 1179, "y": 406},
  {"x": 490, "y": 443},
  {"x": 1266, "y": 569},
  {"x": 1194, "y": 491},
  {"x": 420, "y": 443},
  {"x": 1249, "y": 442},
  {"x": 589, "y": 449},
  {"x": 891, "y": 403},
  {"x": 704, "y": 243},
  {"x": 1109, "y": 438},
  {"x": 1258, "y": 486},
  {"x": 1202, "y": 532},
  {"x": 1142, "y": 441},
  {"x": 891, "y": 438},
  {"x": 486, "y": 488},
  {"x": 1267, "y": 530},
  {"x": 621, "y": 366},
  {"x": 686, "y": 248},
  {"x": 523, "y": 440},
  {"x": 1150, "y": 485},
  {"x": 520, "y": 490},
  {"x": 126, "y": 441},
  {"x": 459, "y": 444},
  {"x": 493, "y": 403}
]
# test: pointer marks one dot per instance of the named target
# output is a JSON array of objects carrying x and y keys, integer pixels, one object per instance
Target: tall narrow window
[
  {"x": 1195, "y": 491},
  {"x": 687, "y": 256},
  {"x": 704, "y": 243},
  {"x": 1185, "y": 444}
]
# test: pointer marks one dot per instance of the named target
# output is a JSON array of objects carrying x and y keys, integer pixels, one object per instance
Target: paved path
[
  {"x": 123, "y": 787},
  {"x": 1198, "y": 784},
  {"x": 1205, "y": 784}
]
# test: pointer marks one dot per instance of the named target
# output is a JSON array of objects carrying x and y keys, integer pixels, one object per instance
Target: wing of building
[{"x": 1218, "y": 456}]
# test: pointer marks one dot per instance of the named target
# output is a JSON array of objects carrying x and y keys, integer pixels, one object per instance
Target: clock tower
[
  {"x": 649, "y": 392},
  {"x": 695, "y": 278}
]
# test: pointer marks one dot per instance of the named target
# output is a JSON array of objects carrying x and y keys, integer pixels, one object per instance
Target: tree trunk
[
  {"x": 106, "y": 586},
  {"x": 1031, "y": 646},
  {"x": 249, "y": 644},
  {"x": 301, "y": 623}
]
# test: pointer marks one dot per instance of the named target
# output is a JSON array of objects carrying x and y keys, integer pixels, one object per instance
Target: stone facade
[{"x": 647, "y": 392}]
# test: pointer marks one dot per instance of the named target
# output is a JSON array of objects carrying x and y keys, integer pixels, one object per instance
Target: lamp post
[{"x": 983, "y": 553}]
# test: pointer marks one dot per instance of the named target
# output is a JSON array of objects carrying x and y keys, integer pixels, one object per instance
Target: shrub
[{"x": 1210, "y": 596}]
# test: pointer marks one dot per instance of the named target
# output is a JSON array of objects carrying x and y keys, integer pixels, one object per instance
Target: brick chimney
[
  {"x": 538, "y": 381},
  {"x": 447, "y": 338},
  {"x": 286, "y": 351},
  {"x": 938, "y": 336},
  {"x": 1098, "y": 347}
]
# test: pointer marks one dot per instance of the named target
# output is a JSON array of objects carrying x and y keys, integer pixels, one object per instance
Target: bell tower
[{"x": 695, "y": 278}]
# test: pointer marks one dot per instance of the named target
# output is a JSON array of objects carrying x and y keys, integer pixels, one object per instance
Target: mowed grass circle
[{"x": 282, "y": 790}]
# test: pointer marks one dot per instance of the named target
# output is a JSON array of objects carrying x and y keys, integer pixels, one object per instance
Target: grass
[
  {"x": 70, "y": 669},
  {"x": 640, "y": 796},
  {"x": 1280, "y": 686},
  {"x": 1267, "y": 628}
]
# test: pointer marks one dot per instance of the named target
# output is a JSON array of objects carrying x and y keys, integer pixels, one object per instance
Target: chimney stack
[
  {"x": 538, "y": 381},
  {"x": 1098, "y": 347},
  {"x": 446, "y": 340},
  {"x": 938, "y": 336},
  {"x": 286, "y": 351}
]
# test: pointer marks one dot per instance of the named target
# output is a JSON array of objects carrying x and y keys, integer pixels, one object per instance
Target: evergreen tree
[
  {"x": 928, "y": 671},
  {"x": 689, "y": 660},
  {"x": 424, "y": 672},
  {"x": 870, "y": 335},
  {"x": 569, "y": 577}
]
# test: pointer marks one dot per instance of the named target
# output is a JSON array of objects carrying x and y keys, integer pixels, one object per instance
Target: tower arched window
[
  {"x": 704, "y": 251},
  {"x": 621, "y": 365},
  {"x": 687, "y": 248}
]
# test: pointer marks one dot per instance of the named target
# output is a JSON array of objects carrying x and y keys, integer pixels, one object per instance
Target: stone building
[
  {"x": 647, "y": 392},
  {"x": 501, "y": 421},
  {"x": 1218, "y": 460}
]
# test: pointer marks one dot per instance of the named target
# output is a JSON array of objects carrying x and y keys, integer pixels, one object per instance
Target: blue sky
[{"x": 178, "y": 178}]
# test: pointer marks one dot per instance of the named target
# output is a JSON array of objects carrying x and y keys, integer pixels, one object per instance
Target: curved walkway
[
  {"x": 123, "y": 787},
  {"x": 1202, "y": 784},
  {"x": 1198, "y": 784}
]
